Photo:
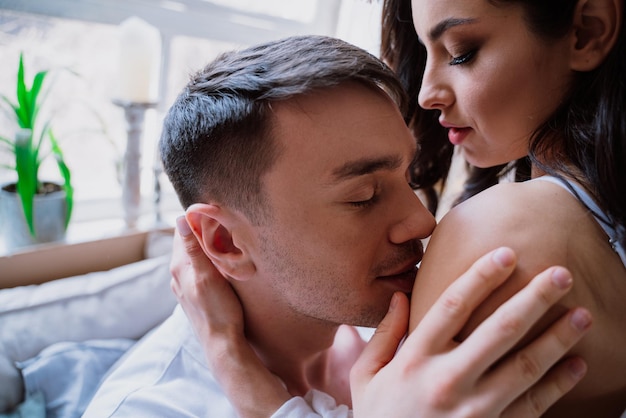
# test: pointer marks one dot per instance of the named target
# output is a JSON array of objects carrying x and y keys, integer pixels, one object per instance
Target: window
[{"x": 79, "y": 41}]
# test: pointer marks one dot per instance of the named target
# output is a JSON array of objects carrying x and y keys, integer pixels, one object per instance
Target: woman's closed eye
[{"x": 464, "y": 58}]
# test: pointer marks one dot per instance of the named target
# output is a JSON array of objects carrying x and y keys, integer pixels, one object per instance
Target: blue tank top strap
[{"x": 579, "y": 193}]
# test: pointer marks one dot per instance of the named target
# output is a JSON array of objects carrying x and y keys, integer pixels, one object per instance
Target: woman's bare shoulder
[
  {"x": 511, "y": 213},
  {"x": 533, "y": 218}
]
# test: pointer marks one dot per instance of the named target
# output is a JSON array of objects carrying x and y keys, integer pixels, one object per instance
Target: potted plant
[{"x": 44, "y": 208}]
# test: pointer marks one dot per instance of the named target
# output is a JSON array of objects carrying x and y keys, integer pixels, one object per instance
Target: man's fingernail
[
  {"x": 183, "y": 227},
  {"x": 561, "y": 278},
  {"x": 581, "y": 319},
  {"x": 577, "y": 367},
  {"x": 504, "y": 257},
  {"x": 393, "y": 302}
]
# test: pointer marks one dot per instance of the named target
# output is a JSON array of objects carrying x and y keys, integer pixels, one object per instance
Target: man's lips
[{"x": 402, "y": 281}]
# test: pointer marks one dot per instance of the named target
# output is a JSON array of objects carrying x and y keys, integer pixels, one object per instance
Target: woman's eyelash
[{"x": 463, "y": 59}]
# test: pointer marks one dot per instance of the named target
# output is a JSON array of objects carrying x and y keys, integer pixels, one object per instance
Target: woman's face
[{"x": 493, "y": 80}]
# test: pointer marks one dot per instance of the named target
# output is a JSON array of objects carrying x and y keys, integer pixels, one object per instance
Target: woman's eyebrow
[{"x": 440, "y": 28}]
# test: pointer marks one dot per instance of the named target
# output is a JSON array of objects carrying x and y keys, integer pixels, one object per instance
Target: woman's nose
[{"x": 435, "y": 93}]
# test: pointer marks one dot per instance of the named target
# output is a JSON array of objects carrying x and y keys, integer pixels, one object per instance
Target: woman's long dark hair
[{"x": 586, "y": 132}]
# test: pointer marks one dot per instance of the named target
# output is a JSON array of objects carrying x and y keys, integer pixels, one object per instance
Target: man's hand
[
  {"x": 216, "y": 316},
  {"x": 432, "y": 375}
]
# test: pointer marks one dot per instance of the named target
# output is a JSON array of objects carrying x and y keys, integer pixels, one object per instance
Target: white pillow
[
  {"x": 125, "y": 302},
  {"x": 68, "y": 373}
]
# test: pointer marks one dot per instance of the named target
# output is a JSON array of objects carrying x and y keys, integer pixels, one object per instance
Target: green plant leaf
[
  {"x": 65, "y": 172},
  {"x": 8, "y": 142},
  {"x": 30, "y": 146},
  {"x": 34, "y": 95},
  {"x": 14, "y": 108},
  {"x": 22, "y": 107},
  {"x": 37, "y": 146},
  {"x": 27, "y": 169}
]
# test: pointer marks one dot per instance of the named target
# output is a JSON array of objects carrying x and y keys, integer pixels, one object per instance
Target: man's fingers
[
  {"x": 522, "y": 369},
  {"x": 451, "y": 311},
  {"x": 512, "y": 320},
  {"x": 559, "y": 380},
  {"x": 383, "y": 345}
]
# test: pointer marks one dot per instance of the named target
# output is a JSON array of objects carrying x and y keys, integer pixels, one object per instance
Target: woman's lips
[{"x": 457, "y": 135}]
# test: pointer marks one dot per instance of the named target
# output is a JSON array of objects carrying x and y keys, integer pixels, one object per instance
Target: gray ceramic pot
[{"x": 48, "y": 215}]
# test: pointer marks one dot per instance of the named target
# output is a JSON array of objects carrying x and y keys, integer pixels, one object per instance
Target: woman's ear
[
  {"x": 212, "y": 226},
  {"x": 597, "y": 24}
]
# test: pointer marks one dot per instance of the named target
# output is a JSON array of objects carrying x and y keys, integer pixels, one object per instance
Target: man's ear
[
  {"x": 212, "y": 226},
  {"x": 597, "y": 24}
]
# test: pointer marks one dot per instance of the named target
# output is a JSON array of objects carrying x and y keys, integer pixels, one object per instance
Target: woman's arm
[
  {"x": 534, "y": 219},
  {"x": 434, "y": 375},
  {"x": 520, "y": 216}
]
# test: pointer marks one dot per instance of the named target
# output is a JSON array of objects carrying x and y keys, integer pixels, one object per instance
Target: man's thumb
[{"x": 384, "y": 343}]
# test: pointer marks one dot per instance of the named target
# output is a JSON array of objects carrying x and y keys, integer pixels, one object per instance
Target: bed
[{"x": 58, "y": 338}]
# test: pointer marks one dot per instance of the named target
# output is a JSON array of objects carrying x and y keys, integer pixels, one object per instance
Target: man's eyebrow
[
  {"x": 440, "y": 28},
  {"x": 366, "y": 166}
]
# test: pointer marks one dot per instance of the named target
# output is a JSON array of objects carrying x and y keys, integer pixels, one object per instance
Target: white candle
[{"x": 140, "y": 55}]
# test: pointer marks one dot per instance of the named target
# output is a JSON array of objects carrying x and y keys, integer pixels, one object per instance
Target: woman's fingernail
[
  {"x": 504, "y": 257},
  {"x": 581, "y": 319},
  {"x": 561, "y": 278},
  {"x": 183, "y": 227}
]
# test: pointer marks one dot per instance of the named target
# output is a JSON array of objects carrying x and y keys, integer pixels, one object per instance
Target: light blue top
[{"x": 603, "y": 220}]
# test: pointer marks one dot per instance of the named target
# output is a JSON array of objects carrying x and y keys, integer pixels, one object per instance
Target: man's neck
[
  {"x": 297, "y": 352},
  {"x": 304, "y": 363},
  {"x": 300, "y": 349}
]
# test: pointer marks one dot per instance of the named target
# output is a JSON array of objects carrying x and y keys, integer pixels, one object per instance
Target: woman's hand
[
  {"x": 207, "y": 298},
  {"x": 432, "y": 375},
  {"x": 216, "y": 316}
]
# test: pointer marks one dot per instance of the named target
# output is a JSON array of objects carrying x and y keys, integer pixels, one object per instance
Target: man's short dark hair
[{"x": 217, "y": 140}]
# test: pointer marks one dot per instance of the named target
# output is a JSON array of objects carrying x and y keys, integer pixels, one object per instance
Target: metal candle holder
[{"x": 131, "y": 179}]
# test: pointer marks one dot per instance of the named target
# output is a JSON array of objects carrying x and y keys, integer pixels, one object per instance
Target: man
[{"x": 291, "y": 159}]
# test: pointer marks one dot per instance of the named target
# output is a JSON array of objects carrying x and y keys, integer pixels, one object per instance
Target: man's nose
[{"x": 416, "y": 221}]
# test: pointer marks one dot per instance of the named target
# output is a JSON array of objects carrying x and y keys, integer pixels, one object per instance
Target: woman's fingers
[
  {"x": 179, "y": 260},
  {"x": 215, "y": 313},
  {"x": 451, "y": 311},
  {"x": 190, "y": 267},
  {"x": 205, "y": 295}
]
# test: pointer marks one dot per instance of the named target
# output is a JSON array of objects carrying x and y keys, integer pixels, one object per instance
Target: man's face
[{"x": 346, "y": 227}]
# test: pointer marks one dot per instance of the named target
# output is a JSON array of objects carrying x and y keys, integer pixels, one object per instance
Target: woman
[
  {"x": 529, "y": 80},
  {"x": 533, "y": 83}
]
